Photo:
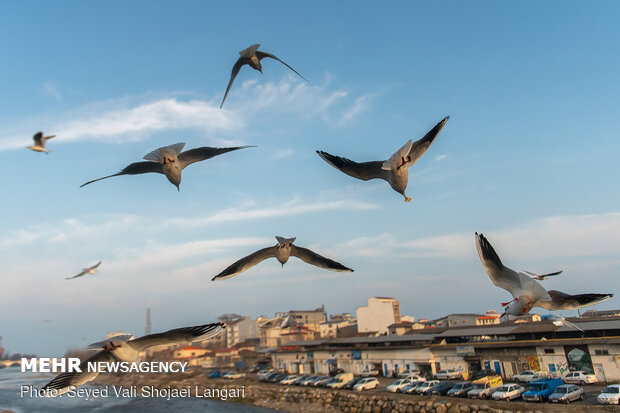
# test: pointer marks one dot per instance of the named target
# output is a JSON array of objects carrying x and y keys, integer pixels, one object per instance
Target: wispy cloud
[
  {"x": 440, "y": 157},
  {"x": 283, "y": 153},
  {"x": 50, "y": 89}
]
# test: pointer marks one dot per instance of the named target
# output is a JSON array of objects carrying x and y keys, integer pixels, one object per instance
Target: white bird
[
  {"x": 123, "y": 348},
  {"x": 281, "y": 251},
  {"x": 561, "y": 321},
  {"x": 541, "y": 277},
  {"x": 39, "y": 142},
  {"x": 89, "y": 270},
  {"x": 251, "y": 57},
  {"x": 170, "y": 161},
  {"x": 527, "y": 292},
  {"x": 395, "y": 170}
]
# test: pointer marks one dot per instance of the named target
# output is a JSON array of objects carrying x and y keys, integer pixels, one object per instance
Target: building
[
  {"x": 240, "y": 330},
  {"x": 508, "y": 348},
  {"x": 334, "y": 327},
  {"x": 308, "y": 318},
  {"x": 380, "y": 313},
  {"x": 456, "y": 320},
  {"x": 490, "y": 317}
]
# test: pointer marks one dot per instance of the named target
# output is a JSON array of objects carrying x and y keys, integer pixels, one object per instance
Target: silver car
[{"x": 566, "y": 393}]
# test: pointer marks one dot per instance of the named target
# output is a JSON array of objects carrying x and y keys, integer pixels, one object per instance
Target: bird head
[{"x": 516, "y": 307}]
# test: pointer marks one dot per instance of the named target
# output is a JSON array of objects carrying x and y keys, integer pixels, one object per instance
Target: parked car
[
  {"x": 484, "y": 373},
  {"x": 366, "y": 383},
  {"x": 411, "y": 388},
  {"x": 449, "y": 374},
  {"x": 275, "y": 378},
  {"x": 352, "y": 382},
  {"x": 580, "y": 377},
  {"x": 340, "y": 381},
  {"x": 308, "y": 380},
  {"x": 398, "y": 384},
  {"x": 540, "y": 390},
  {"x": 336, "y": 372},
  {"x": 426, "y": 387},
  {"x": 368, "y": 372},
  {"x": 413, "y": 377},
  {"x": 609, "y": 395},
  {"x": 300, "y": 379},
  {"x": 508, "y": 391},
  {"x": 289, "y": 379},
  {"x": 214, "y": 374},
  {"x": 566, "y": 393},
  {"x": 408, "y": 373},
  {"x": 485, "y": 387},
  {"x": 234, "y": 375},
  {"x": 322, "y": 380},
  {"x": 442, "y": 388},
  {"x": 263, "y": 373},
  {"x": 460, "y": 389},
  {"x": 527, "y": 376}
]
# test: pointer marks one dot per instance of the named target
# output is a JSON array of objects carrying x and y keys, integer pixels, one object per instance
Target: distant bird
[
  {"x": 562, "y": 322},
  {"x": 89, "y": 270},
  {"x": 39, "y": 142},
  {"x": 125, "y": 349},
  {"x": 170, "y": 161},
  {"x": 395, "y": 169},
  {"x": 281, "y": 251},
  {"x": 527, "y": 292},
  {"x": 541, "y": 277},
  {"x": 252, "y": 57}
]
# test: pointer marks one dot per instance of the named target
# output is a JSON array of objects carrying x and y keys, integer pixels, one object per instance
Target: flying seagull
[
  {"x": 527, "y": 292},
  {"x": 39, "y": 142},
  {"x": 124, "y": 348},
  {"x": 89, "y": 270},
  {"x": 170, "y": 161},
  {"x": 395, "y": 169},
  {"x": 541, "y": 277},
  {"x": 281, "y": 251},
  {"x": 562, "y": 322},
  {"x": 252, "y": 57}
]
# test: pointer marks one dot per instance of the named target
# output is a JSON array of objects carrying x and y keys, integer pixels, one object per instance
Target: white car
[
  {"x": 482, "y": 390},
  {"x": 426, "y": 387},
  {"x": 412, "y": 377},
  {"x": 566, "y": 393},
  {"x": 366, "y": 384},
  {"x": 399, "y": 384},
  {"x": 289, "y": 379},
  {"x": 527, "y": 376},
  {"x": 407, "y": 373},
  {"x": 610, "y": 395},
  {"x": 233, "y": 375},
  {"x": 580, "y": 377},
  {"x": 367, "y": 372},
  {"x": 448, "y": 374},
  {"x": 508, "y": 391},
  {"x": 263, "y": 374}
]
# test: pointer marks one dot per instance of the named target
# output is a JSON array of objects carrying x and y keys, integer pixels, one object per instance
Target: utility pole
[{"x": 147, "y": 326}]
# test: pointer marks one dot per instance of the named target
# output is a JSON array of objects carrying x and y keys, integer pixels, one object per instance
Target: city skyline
[{"x": 528, "y": 158}]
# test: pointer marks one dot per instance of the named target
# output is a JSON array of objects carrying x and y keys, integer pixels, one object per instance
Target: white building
[
  {"x": 378, "y": 315},
  {"x": 240, "y": 330}
]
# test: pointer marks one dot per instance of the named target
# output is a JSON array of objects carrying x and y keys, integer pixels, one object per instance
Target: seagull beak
[{"x": 178, "y": 189}]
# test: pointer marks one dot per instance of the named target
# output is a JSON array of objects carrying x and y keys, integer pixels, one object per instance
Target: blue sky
[{"x": 529, "y": 157}]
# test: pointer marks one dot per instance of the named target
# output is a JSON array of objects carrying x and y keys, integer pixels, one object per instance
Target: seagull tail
[{"x": 99, "y": 179}]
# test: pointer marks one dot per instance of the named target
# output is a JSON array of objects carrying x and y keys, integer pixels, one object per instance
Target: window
[
  {"x": 601, "y": 352},
  {"x": 549, "y": 351}
]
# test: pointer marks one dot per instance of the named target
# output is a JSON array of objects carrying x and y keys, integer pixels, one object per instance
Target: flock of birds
[{"x": 170, "y": 161}]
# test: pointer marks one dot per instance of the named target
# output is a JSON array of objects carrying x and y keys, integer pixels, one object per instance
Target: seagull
[
  {"x": 395, "y": 169},
  {"x": 252, "y": 57},
  {"x": 170, "y": 161},
  {"x": 39, "y": 142},
  {"x": 541, "y": 277},
  {"x": 124, "y": 348},
  {"x": 562, "y": 322},
  {"x": 282, "y": 251},
  {"x": 89, "y": 270},
  {"x": 526, "y": 291}
]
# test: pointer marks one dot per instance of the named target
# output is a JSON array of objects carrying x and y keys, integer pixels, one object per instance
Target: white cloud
[
  {"x": 440, "y": 157},
  {"x": 50, "y": 89},
  {"x": 283, "y": 153}
]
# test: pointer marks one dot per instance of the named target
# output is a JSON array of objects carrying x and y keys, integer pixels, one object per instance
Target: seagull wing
[
  {"x": 134, "y": 169},
  {"x": 543, "y": 276},
  {"x": 200, "y": 154},
  {"x": 96, "y": 265},
  {"x": 419, "y": 147},
  {"x": 66, "y": 381},
  {"x": 261, "y": 55},
  {"x": 183, "y": 335},
  {"x": 501, "y": 275},
  {"x": 313, "y": 258},
  {"x": 235, "y": 71},
  {"x": 563, "y": 301},
  {"x": 78, "y": 275},
  {"x": 364, "y": 170},
  {"x": 246, "y": 262},
  {"x": 38, "y": 138},
  {"x": 569, "y": 324}
]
